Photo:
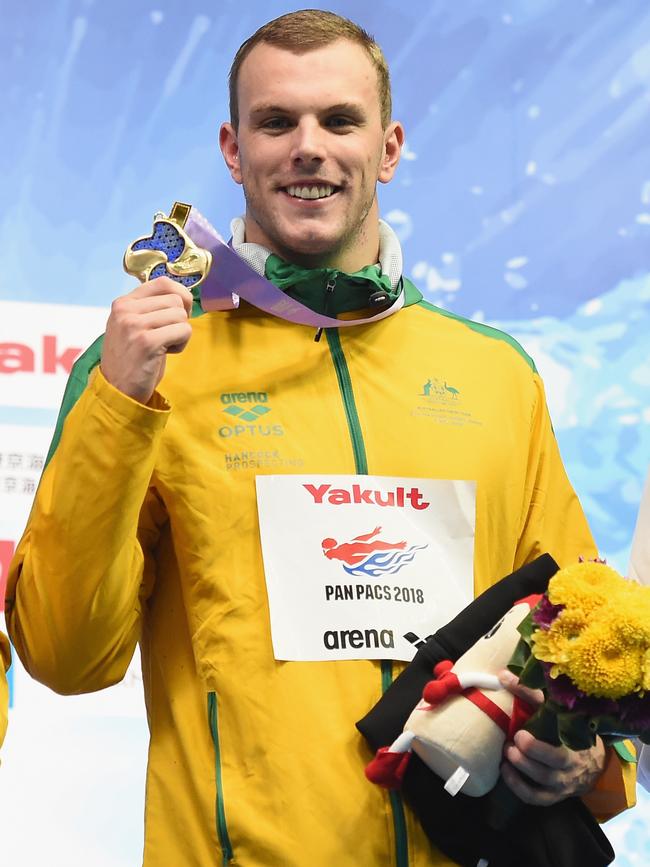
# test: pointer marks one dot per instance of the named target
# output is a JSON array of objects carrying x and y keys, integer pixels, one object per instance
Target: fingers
[
  {"x": 150, "y": 325},
  {"x": 165, "y": 336},
  {"x": 543, "y": 774},
  {"x": 153, "y": 316},
  {"x": 530, "y": 778},
  {"x": 161, "y": 286},
  {"x": 510, "y": 681},
  {"x": 533, "y": 749},
  {"x": 536, "y": 769},
  {"x": 143, "y": 327},
  {"x": 175, "y": 337},
  {"x": 149, "y": 304}
]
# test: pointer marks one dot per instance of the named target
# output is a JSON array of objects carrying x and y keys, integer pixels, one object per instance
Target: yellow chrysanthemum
[
  {"x": 571, "y": 622},
  {"x": 551, "y": 646},
  {"x": 631, "y": 622},
  {"x": 601, "y": 638},
  {"x": 637, "y": 609},
  {"x": 586, "y": 587},
  {"x": 602, "y": 665},
  {"x": 645, "y": 682}
]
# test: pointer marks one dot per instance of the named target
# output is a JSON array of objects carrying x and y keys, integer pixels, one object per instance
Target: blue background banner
[{"x": 523, "y": 197}]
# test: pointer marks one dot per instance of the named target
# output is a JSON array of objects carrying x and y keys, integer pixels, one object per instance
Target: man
[{"x": 146, "y": 526}]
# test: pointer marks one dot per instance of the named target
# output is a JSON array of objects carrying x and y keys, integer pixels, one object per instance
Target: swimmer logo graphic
[{"x": 364, "y": 558}]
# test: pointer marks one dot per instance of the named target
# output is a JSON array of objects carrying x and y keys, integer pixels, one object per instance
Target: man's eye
[
  {"x": 339, "y": 122},
  {"x": 276, "y": 123}
]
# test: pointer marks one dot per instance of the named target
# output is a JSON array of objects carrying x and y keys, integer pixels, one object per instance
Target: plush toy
[
  {"x": 460, "y": 725},
  {"x": 562, "y": 835}
]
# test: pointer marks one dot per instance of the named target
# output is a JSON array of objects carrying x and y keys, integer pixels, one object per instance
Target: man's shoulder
[{"x": 479, "y": 337}]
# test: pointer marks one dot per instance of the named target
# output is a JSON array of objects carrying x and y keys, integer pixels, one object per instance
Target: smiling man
[
  {"x": 309, "y": 157},
  {"x": 175, "y": 511}
]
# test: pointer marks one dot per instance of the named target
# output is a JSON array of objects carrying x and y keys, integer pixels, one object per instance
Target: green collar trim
[
  {"x": 327, "y": 290},
  {"x": 412, "y": 294}
]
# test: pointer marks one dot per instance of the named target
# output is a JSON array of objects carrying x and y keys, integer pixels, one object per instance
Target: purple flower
[
  {"x": 545, "y": 613},
  {"x": 635, "y": 712},
  {"x": 561, "y": 689}
]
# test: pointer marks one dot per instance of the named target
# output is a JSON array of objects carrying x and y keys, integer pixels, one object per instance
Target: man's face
[{"x": 309, "y": 151}]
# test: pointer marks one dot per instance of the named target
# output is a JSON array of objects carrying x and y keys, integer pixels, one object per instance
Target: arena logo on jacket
[
  {"x": 374, "y": 559},
  {"x": 248, "y": 408}
]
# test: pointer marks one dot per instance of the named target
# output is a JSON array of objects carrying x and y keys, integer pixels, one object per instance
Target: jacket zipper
[
  {"x": 222, "y": 828},
  {"x": 361, "y": 467},
  {"x": 345, "y": 387},
  {"x": 329, "y": 291}
]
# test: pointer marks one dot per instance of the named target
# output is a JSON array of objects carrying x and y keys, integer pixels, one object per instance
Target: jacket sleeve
[
  {"x": 553, "y": 522},
  {"x": 643, "y": 771},
  {"x": 5, "y": 662},
  {"x": 82, "y": 570}
]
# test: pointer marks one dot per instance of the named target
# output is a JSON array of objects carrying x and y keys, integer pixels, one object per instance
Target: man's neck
[
  {"x": 347, "y": 262},
  {"x": 353, "y": 256},
  {"x": 389, "y": 259}
]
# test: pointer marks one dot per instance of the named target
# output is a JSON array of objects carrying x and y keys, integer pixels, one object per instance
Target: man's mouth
[{"x": 311, "y": 191}]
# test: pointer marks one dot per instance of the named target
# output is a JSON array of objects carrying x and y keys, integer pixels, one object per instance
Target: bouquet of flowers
[{"x": 587, "y": 646}]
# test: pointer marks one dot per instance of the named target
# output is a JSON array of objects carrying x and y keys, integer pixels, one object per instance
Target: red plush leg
[{"x": 387, "y": 769}]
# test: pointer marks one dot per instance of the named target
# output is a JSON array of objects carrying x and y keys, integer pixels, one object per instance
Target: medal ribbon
[{"x": 229, "y": 270}]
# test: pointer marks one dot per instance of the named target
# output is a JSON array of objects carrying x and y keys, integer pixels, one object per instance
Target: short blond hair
[{"x": 307, "y": 30}]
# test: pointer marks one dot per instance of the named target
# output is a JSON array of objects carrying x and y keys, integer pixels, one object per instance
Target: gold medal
[{"x": 168, "y": 251}]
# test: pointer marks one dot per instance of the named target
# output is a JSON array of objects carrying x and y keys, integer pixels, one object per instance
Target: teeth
[{"x": 321, "y": 192}]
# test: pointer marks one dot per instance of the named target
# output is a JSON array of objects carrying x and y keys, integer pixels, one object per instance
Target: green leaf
[
  {"x": 527, "y": 627},
  {"x": 519, "y": 657},
  {"x": 543, "y": 724},
  {"x": 624, "y": 751},
  {"x": 575, "y": 731},
  {"x": 532, "y": 674}
]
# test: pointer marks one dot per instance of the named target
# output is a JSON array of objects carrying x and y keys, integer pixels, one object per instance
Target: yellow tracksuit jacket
[
  {"x": 145, "y": 529},
  {"x": 5, "y": 662}
]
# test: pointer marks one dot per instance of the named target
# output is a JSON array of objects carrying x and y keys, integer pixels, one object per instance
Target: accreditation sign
[{"x": 356, "y": 566}]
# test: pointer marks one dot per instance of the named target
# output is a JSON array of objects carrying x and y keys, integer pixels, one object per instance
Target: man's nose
[{"x": 308, "y": 143}]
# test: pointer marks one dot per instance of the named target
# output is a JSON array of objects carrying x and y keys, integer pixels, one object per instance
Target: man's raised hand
[{"x": 142, "y": 328}]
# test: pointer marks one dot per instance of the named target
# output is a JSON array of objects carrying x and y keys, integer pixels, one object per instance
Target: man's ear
[
  {"x": 393, "y": 142},
  {"x": 229, "y": 145}
]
